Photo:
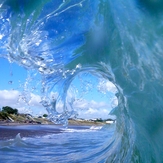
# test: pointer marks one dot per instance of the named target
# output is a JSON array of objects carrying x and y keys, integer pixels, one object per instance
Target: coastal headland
[
  {"x": 13, "y": 123},
  {"x": 10, "y": 116}
]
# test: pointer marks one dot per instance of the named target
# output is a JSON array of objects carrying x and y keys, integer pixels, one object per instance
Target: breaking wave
[{"x": 119, "y": 41}]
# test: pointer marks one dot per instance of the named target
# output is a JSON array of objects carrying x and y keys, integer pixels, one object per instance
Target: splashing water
[{"x": 119, "y": 41}]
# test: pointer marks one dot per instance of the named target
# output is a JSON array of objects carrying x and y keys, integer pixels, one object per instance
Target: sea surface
[{"x": 58, "y": 144}]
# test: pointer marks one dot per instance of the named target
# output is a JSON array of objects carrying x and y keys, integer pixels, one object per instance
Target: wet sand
[{"x": 10, "y": 132}]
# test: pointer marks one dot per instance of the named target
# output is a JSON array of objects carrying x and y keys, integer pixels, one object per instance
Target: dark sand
[{"x": 10, "y": 132}]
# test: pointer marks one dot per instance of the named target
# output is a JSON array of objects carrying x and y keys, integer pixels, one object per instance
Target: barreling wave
[{"x": 120, "y": 41}]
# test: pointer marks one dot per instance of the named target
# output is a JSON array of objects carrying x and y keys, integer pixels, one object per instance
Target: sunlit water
[
  {"x": 73, "y": 144},
  {"x": 119, "y": 41}
]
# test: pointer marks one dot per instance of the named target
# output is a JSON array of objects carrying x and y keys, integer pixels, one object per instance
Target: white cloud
[
  {"x": 85, "y": 109},
  {"x": 101, "y": 91},
  {"x": 94, "y": 113},
  {"x": 9, "y": 98},
  {"x": 92, "y": 109},
  {"x": 35, "y": 100},
  {"x": 15, "y": 99},
  {"x": 106, "y": 86}
]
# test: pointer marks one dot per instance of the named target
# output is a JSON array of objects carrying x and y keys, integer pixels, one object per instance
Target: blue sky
[
  {"x": 11, "y": 75},
  {"x": 12, "y": 82},
  {"x": 94, "y": 96},
  {"x": 91, "y": 104}
]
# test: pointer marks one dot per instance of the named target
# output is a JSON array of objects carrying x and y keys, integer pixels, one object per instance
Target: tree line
[
  {"x": 9, "y": 110},
  {"x": 6, "y": 110}
]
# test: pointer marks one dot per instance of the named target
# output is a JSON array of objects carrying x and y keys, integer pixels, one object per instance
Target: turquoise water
[
  {"x": 119, "y": 41},
  {"x": 73, "y": 144}
]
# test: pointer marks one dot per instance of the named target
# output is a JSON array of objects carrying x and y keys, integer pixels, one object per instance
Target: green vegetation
[
  {"x": 8, "y": 114},
  {"x": 45, "y": 115},
  {"x": 9, "y": 110},
  {"x": 3, "y": 115}
]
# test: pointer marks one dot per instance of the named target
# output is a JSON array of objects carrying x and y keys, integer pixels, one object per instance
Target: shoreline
[
  {"x": 11, "y": 130},
  {"x": 70, "y": 122},
  {"x": 12, "y": 119}
]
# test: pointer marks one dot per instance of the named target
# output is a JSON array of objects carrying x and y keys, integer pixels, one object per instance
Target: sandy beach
[{"x": 10, "y": 131}]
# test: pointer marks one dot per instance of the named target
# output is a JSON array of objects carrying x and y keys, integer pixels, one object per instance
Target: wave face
[{"x": 120, "y": 41}]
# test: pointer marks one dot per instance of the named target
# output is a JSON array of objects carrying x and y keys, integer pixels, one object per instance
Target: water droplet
[
  {"x": 80, "y": 4},
  {"x": 1, "y": 36},
  {"x": 10, "y": 82},
  {"x": 79, "y": 66}
]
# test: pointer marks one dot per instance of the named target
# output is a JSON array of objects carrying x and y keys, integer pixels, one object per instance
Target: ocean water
[
  {"x": 119, "y": 41},
  {"x": 73, "y": 144}
]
